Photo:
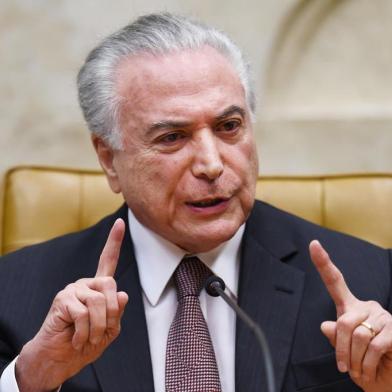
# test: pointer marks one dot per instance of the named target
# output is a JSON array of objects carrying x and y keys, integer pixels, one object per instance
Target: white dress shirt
[{"x": 157, "y": 260}]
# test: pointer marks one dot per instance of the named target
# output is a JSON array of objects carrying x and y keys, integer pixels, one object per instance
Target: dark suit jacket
[{"x": 279, "y": 288}]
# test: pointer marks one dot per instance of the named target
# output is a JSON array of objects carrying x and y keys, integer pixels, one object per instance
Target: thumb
[{"x": 328, "y": 328}]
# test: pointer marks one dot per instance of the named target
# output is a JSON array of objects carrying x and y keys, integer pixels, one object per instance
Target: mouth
[{"x": 207, "y": 202}]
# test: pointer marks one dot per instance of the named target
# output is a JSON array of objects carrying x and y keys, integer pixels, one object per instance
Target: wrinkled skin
[
  {"x": 187, "y": 139},
  {"x": 187, "y": 170}
]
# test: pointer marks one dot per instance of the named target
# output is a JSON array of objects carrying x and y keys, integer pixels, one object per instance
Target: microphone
[{"x": 215, "y": 287}]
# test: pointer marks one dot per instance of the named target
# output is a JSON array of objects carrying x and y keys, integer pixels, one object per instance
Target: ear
[{"x": 106, "y": 159}]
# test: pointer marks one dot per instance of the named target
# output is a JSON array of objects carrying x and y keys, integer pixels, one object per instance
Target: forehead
[{"x": 179, "y": 84}]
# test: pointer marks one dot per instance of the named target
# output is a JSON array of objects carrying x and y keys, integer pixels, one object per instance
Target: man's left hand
[{"x": 362, "y": 333}]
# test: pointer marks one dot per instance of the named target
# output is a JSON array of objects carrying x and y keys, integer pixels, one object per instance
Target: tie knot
[{"x": 190, "y": 276}]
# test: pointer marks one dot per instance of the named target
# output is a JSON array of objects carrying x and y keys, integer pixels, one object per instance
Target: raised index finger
[
  {"x": 109, "y": 257},
  {"x": 331, "y": 276}
]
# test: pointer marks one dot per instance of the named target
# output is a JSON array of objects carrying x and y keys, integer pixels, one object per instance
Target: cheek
[
  {"x": 245, "y": 167},
  {"x": 253, "y": 163},
  {"x": 152, "y": 177},
  {"x": 250, "y": 151},
  {"x": 245, "y": 162},
  {"x": 252, "y": 170}
]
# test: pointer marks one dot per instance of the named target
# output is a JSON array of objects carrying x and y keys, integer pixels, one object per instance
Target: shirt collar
[{"x": 155, "y": 253}]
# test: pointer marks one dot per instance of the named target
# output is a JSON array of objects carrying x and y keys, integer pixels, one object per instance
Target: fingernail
[
  {"x": 366, "y": 378},
  {"x": 355, "y": 374},
  {"x": 342, "y": 367}
]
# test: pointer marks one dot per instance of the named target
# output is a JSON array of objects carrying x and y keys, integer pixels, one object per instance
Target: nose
[{"x": 207, "y": 162}]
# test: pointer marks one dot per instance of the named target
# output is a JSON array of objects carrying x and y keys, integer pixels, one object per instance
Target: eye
[
  {"x": 229, "y": 126},
  {"x": 171, "y": 138}
]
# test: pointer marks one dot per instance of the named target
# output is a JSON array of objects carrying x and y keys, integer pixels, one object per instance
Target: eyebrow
[
  {"x": 168, "y": 124},
  {"x": 233, "y": 109}
]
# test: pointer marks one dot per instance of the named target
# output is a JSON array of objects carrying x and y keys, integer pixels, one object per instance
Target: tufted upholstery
[{"x": 40, "y": 202}]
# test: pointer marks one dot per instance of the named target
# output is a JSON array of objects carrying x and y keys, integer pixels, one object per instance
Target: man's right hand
[{"x": 83, "y": 320}]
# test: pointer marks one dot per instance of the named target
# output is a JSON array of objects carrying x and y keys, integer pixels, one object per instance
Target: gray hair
[{"x": 157, "y": 34}]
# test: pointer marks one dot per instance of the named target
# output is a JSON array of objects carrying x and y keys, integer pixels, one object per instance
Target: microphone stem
[{"x": 259, "y": 335}]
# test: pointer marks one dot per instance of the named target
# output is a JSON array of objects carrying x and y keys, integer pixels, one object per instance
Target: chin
[{"x": 208, "y": 240}]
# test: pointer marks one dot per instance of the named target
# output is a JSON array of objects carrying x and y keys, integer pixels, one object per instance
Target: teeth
[{"x": 207, "y": 203}]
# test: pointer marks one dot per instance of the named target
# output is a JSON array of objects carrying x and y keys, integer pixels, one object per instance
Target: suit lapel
[
  {"x": 270, "y": 291},
  {"x": 126, "y": 364}
]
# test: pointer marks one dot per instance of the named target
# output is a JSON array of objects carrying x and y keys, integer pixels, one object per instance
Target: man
[{"x": 169, "y": 104}]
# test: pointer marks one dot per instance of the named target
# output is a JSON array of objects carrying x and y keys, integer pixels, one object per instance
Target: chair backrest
[{"x": 39, "y": 203}]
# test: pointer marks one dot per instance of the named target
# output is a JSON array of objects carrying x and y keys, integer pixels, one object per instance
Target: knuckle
[
  {"x": 107, "y": 282},
  {"x": 361, "y": 335},
  {"x": 80, "y": 282},
  {"x": 113, "y": 311},
  {"x": 69, "y": 288},
  {"x": 82, "y": 314},
  {"x": 115, "y": 332},
  {"x": 344, "y": 323},
  {"x": 62, "y": 296},
  {"x": 96, "y": 299},
  {"x": 97, "y": 328},
  {"x": 373, "y": 304},
  {"x": 377, "y": 347},
  {"x": 386, "y": 318}
]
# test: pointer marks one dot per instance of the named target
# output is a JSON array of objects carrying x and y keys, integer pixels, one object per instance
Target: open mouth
[{"x": 206, "y": 203}]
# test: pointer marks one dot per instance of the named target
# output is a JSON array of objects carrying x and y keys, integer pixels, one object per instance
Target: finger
[
  {"x": 376, "y": 349},
  {"x": 122, "y": 301},
  {"x": 345, "y": 326},
  {"x": 111, "y": 251},
  {"x": 67, "y": 310},
  {"x": 331, "y": 276},
  {"x": 378, "y": 346},
  {"x": 80, "y": 317},
  {"x": 96, "y": 306},
  {"x": 108, "y": 287},
  {"x": 114, "y": 331},
  {"x": 360, "y": 341},
  {"x": 328, "y": 328}
]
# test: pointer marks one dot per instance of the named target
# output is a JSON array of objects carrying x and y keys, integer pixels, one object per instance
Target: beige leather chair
[{"x": 39, "y": 203}]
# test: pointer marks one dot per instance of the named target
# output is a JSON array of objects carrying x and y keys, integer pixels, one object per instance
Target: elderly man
[{"x": 169, "y": 104}]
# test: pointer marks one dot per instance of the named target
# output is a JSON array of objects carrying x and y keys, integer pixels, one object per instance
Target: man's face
[{"x": 189, "y": 164}]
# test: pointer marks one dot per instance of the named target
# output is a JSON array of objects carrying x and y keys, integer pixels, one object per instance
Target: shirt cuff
[{"x": 8, "y": 380}]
